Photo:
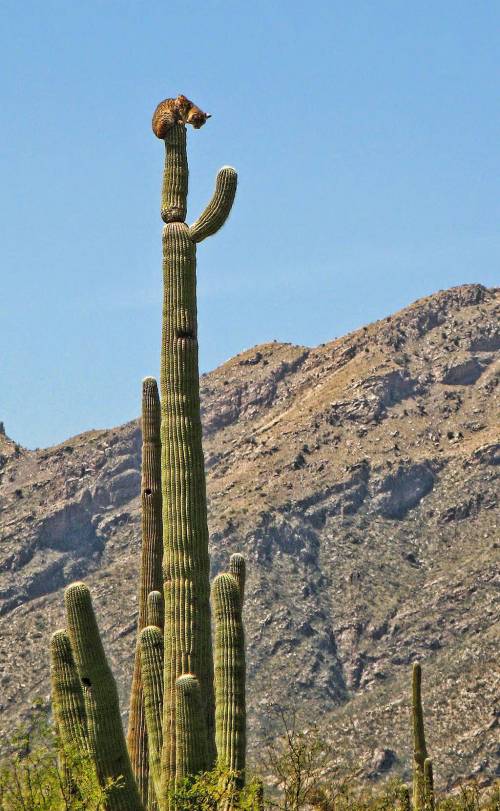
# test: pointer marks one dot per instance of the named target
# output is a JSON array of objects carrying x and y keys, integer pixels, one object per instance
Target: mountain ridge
[{"x": 358, "y": 478}]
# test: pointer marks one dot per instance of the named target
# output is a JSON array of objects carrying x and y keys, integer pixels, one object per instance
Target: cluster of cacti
[
  {"x": 174, "y": 729},
  {"x": 187, "y": 707}
]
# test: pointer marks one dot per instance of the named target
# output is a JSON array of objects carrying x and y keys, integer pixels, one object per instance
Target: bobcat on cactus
[{"x": 181, "y": 110}]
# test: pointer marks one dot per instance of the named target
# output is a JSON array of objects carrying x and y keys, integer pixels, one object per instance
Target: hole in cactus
[
  {"x": 86, "y": 681},
  {"x": 184, "y": 333},
  {"x": 148, "y": 491}
]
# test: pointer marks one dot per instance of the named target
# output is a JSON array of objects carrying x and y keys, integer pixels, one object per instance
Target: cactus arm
[
  {"x": 105, "y": 731},
  {"x": 175, "y": 176},
  {"x": 419, "y": 746},
  {"x": 219, "y": 207},
  {"x": 151, "y": 646},
  {"x": 237, "y": 567},
  {"x": 151, "y": 572},
  {"x": 428, "y": 785},
  {"x": 190, "y": 733},
  {"x": 68, "y": 705},
  {"x": 155, "y": 610},
  {"x": 230, "y": 716}
]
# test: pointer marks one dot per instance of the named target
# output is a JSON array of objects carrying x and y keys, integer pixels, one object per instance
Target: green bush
[
  {"x": 35, "y": 775},
  {"x": 216, "y": 790}
]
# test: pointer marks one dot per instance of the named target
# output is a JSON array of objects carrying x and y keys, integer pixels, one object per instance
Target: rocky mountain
[{"x": 358, "y": 478}]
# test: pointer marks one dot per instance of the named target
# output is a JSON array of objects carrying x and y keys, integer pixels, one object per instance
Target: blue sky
[{"x": 366, "y": 139}]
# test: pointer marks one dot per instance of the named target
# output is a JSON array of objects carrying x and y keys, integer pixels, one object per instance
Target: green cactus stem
[
  {"x": 155, "y": 610},
  {"x": 237, "y": 567},
  {"x": 219, "y": 206},
  {"x": 419, "y": 746},
  {"x": 105, "y": 731},
  {"x": 404, "y": 798},
  {"x": 151, "y": 572},
  {"x": 68, "y": 706},
  {"x": 151, "y": 647},
  {"x": 230, "y": 718},
  {"x": 428, "y": 785},
  {"x": 175, "y": 177},
  {"x": 191, "y": 750},
  {"x": 188, "y": 647}
]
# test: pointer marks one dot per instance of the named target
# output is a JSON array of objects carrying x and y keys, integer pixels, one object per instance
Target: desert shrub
[
  {"x": 215, "y": 790},
  {"x": 34, "y": 776}
]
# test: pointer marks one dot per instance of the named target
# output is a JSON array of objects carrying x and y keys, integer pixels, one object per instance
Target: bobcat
[{"x": 177, "y": 111}]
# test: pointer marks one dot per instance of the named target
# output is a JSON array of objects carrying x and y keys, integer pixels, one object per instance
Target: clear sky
[{"x": 366, "y": 139}]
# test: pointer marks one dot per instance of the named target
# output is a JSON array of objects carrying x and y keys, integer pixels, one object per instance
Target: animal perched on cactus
[
  {"x": 177, "y": 111},
  {"x": 172, "y": 728}
]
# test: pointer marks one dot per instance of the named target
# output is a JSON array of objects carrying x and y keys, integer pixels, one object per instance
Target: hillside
[{"x": 358, "y": 478}]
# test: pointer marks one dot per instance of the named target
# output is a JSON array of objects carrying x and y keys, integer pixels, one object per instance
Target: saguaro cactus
[
  {"x": 191, "y": 750},
  {"x": 151, "y": 644},
  {"x": 428, "y": 785},
  {"x": 185, "y": 533},
  {"x": 419, "y": 745},
  {"x": 68, "y": 705},
  {"x": 229, "y": 674},
  {"x": 151, "y": 572},
  {"x": 106, "y": 740},
  {"x": 173, "y": 675},
  {"x": 237, "y": 567}
]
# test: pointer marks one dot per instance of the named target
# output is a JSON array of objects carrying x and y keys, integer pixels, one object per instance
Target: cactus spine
[
  {"x": 151, "y": 573},
  {"x": 229, "y": 674},
  {"x": 185, "y": 532},
  {"x": 419, "y": 746}
]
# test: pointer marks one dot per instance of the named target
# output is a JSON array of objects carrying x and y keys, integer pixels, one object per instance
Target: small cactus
[
  {"x": 428, "y": 785},
  {"x": 154, "y": 611},
  {"x": 419, "y": 745},
  {"x": 68, "y": 704},
  {"x": 190, "y": 732},
  {"x": 151, "y": 647},
  {"x": 230, "y": 716},
  {"x": 237, "y": 567}
]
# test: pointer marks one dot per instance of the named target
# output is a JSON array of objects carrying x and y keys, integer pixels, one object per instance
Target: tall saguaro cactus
[
  {"x": 172, "y": 716},
  {"x": 188, "y": 647},
  {"x": 151, "y": 572},
  {"x": 419, "y": 745}
]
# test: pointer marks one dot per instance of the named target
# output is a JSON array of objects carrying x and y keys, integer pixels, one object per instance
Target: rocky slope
[{"x": 359, "y": 480}]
